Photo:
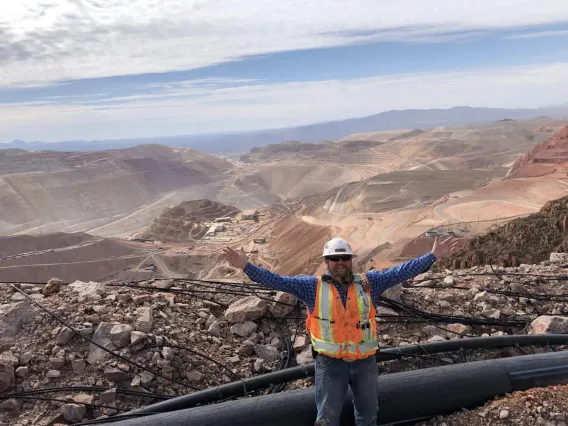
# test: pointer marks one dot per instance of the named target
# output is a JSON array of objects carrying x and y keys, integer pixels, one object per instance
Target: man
[{"x": 341, "y": 322}]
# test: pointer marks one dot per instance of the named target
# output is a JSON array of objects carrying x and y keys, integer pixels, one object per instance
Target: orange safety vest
[{"x": 348, "y": 332}]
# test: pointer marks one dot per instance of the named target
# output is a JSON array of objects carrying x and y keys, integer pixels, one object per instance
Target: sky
[{"x": 111, "y": 69}]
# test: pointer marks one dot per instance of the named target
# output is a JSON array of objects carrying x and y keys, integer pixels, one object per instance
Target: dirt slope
[
  {"x": 398, "y": 190},
  {"x": 31, "y": 243},
  {"x": 295, "y": 169},
  {"x": 547, "y": 158},
  {"x": 383, "y": 214},
  {"x": 185, "y": 222},
  {"x": 118, "y": 193},
  {"x": 52, "y": 191},
  {"x": 37, "y": 258},
  {"x": 296, "y": 246},
  {"x": 114, "y": 193},
  {"x": 381, "y": 136},
  {"x": 524, "y": 240}
]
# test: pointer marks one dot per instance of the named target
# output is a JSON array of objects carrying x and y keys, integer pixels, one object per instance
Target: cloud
[
  {"x": 538, "y": 34},
  {"x": 213, "y": 82},
  {"x": 193, "y": 109},
  {"x": 54, "y": 40}
]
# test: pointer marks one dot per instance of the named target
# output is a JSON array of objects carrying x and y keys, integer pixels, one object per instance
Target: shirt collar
[{"x": 328, "y": 277}]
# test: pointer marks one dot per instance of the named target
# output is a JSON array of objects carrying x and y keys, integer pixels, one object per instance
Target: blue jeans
[{"x": 332, "y": 377}]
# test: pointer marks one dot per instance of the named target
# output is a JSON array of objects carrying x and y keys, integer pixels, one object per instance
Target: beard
[{"x": 343, "y": 275}]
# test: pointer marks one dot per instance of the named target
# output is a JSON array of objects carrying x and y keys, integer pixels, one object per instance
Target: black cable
[
  {"x": 231, "y": 373},
  {"x": 28, "y": 282},
  {"x": 85, "y": 389},
  {"x": 518, "y": 274},
  {"x": 538, "y": 296},
  {"x": 284, "y": 363},
  {"x": 280, "y": 387},
  {"x": 395, "y": 319},
  {"x": 190, "y": 293},
  {"x": 252, "y": 293},
  {"x": 68, "y": 401},
  {"x": 112, "y": 419},
  {"x": 500, "y": 277},
  {"x": 230, "y": 290},
  {"x": 450, "y": 318},
  {"x": 96, "y": 344},
  {"x": 227, "y": 283},
  {"x": 428, "y": 357},
  {"x": 427, "y": 320},
  {"x": 170, "y": 290},
  {"x": 520, "y": 349},
  {"x": 247, "y": 285},
  {"x": 149, "y": 287}
]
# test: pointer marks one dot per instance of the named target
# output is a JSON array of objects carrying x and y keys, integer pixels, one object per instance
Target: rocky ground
[
  {"x": 518, "y": 294},
  {"x": 540, "y": 406},
  {"x": 159, "y": 335},
  {"x": 172, "y": 337}
]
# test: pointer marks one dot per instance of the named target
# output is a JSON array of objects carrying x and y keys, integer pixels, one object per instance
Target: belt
[{"x": 348, "y": 360}]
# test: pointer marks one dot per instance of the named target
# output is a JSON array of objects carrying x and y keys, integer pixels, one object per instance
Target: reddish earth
[
  {"x": 396, "y": 208},
  {"x": 547, "y": 158},
  {"x": 298, "y": 245}
]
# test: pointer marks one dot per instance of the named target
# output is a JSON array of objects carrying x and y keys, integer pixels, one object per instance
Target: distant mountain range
[{"x": 244, "y": 141}]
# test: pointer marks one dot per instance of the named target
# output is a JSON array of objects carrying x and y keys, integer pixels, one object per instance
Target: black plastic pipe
[
  {"x": 403, "y": 397},
  {"x": 242, "y": 387}
]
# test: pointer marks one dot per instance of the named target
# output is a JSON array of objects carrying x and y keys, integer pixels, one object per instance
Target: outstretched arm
[
  {"x": 383, "y": 280},
  {"x": 303, "y": 287}
]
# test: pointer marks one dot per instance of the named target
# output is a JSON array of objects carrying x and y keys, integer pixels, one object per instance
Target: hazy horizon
[{"x": 118, "y": 69}]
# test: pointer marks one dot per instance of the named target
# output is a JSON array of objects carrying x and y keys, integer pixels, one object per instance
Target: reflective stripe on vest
[
  {"x": 347, "y": 349},
  {"x": 325, "y": 312},
  {"x": 365, "y": 303},
  {"x": 320, "y": 323}
]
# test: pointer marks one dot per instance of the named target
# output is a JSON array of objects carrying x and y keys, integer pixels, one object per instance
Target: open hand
[
  {"x": 445, "y": 247},
  {"x": 237, "y": 259}
]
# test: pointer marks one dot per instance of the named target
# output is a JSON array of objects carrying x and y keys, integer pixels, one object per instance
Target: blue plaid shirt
[{"x": 304, "y": 286}]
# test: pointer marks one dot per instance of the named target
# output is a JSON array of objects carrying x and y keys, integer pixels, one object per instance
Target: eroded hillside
[
  {"x": 108, "y": 193},
  {"x": 295, "y": 169},
  {"x": 384, "y": 214},
  {"x": 118, "y": 193},
  {"x": 187, "y": 222},
  {"x": 525, "y": 240},
  {"x": 547, "y": 158}
]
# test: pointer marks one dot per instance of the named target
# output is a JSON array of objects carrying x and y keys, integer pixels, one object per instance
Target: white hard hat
[{"x": 337, "y": 246}]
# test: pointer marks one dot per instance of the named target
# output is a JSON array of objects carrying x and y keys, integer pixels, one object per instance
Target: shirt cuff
[
  {"x": 431, "y": 256},
  {"x": 247, "y": 268}
]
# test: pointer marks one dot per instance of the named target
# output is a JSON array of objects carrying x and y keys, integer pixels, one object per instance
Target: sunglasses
[{"x": 345, "y": 258}]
